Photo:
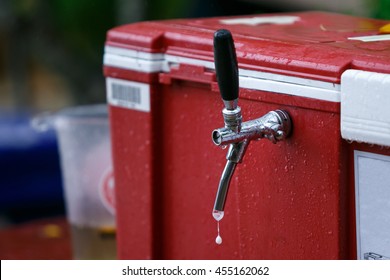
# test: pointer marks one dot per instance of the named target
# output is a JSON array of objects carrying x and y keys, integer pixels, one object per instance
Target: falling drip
[{"x": 218, "y": 240}]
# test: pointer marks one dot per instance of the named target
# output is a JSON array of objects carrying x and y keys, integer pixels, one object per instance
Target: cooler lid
[
  {"x": 323, "y": 56},
  {"x": 310, "y": 45}
]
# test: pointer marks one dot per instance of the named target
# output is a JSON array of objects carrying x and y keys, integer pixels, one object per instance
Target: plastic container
[
  {"x": 30, "y": 181},
  {"x": 85, "y": 152}
]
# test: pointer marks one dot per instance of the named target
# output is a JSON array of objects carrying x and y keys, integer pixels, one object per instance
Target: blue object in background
[{"x": 30, "y": 176}]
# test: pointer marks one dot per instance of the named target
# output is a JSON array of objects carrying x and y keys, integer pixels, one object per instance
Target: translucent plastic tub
[{"x": 85, "y": 152}]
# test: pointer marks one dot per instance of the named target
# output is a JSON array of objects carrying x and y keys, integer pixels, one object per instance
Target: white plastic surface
[
  {"x": 133, "y": 63},
  {"x": 133, "y": 53},
  {"x": 287, "y": 87},
  {"x": 365, "y": 107},
  {"x": 372, "y": 38},
  {"x": 261, "y": 20}
]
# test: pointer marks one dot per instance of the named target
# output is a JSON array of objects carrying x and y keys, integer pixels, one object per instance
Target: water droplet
[{"x": 218, "y": 240}]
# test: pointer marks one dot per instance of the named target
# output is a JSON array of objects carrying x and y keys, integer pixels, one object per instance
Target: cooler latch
[
  {"x": 188, "y": 72},
  {"x": 374, "y": 256}
]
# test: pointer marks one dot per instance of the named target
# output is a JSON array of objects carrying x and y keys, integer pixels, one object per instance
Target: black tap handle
[{"x": 226, "y": 64}]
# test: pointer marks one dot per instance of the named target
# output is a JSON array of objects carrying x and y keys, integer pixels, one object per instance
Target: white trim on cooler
[
  {"x": 365, "y": 103},
  {"x": 159, "y": 62}
]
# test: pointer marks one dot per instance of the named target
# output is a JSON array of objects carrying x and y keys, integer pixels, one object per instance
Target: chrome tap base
[{"x": 274, "y": 126}]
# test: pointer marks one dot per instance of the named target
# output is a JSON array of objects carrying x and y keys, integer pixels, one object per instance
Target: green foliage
[
  {"x": 158, "y": 9},
  {"x": 383, "y": 9},
  {"x": 83, "y": 24}
]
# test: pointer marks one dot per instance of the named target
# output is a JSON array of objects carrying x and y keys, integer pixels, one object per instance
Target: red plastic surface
[
  {"x": 315, "y": 47},
  {"x": 46, "y": 239},
  {"x": 291, "y": 200}
]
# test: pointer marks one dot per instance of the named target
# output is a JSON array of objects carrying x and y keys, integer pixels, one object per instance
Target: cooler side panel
[
  {"x": 134, "y": 159},
  {"x": 290, "y": 193},
  {"x": 286, "y": 200},
  {"x": 192, "y": 169},
  {"x": 130, "y": 131}
]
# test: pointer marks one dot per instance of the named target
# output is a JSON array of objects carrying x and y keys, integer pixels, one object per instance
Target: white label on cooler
[
  {"x": 128, "y": 94},
  {"x": 372, "y": 191},
  {"x": 371, "y": 38},
  {"x": 261, "y": 20}
]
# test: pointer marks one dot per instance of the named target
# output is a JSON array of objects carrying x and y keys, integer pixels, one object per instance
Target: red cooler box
[{"x": 321, "y": 193}]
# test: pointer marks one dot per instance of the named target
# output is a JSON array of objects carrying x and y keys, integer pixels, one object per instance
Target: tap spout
[
  {"x": 223, "y": 186},
  {"x": 234, "y": 155}
]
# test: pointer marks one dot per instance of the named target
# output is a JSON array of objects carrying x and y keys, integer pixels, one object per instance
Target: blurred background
[{"x": 51, "y": 57}]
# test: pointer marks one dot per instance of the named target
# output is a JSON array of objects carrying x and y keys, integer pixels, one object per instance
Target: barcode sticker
[{"x": 127, "y": 94}]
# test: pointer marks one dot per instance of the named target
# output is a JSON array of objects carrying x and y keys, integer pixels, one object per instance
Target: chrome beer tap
[{"x": 274, "y": 126}]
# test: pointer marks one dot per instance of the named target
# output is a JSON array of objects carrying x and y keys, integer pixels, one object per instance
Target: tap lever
[{"x": 226, "y": 67}]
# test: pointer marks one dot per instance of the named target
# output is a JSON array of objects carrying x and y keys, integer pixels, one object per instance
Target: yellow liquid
[{"x": 93, "y": 243}]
